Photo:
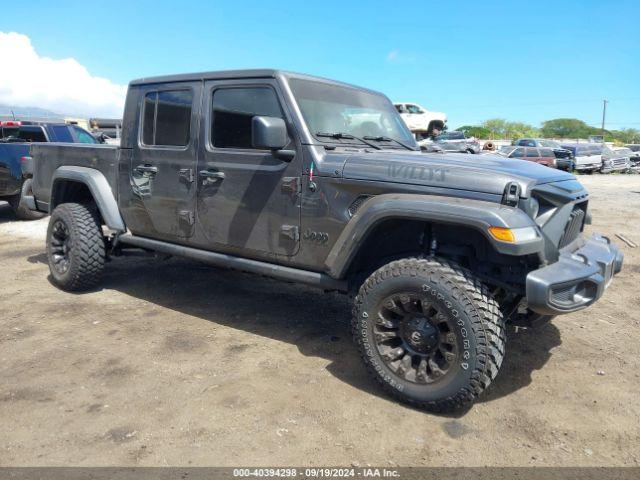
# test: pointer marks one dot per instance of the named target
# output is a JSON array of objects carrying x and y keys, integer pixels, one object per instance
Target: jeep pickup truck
[
  {"x": 265, "y": 171},
  {"x": 15, "y": 139}
]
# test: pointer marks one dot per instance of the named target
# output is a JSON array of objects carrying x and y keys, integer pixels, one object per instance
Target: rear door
[
  {"x": 248, "y": 199},
  {"x": 162, "y": 171}
]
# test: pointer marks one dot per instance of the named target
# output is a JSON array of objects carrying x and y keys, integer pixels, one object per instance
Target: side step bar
[{"x": 289, "y": 274}]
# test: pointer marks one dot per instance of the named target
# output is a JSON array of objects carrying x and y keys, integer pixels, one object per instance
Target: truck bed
[
  {"x": 48, "y": 157},
  {"x": 10, "y": 168}
]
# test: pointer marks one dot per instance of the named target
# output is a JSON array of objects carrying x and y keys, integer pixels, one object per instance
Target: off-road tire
[
  {"x": 479, "y": 330},
  {"x": 20, "y": 210},
  {"x": 85, "y": 247}
]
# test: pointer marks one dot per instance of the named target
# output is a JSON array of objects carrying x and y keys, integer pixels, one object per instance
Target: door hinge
[
  {"x": 187, "y": 216},
  {"x": 290, "y": 231},
  {"x": 186, "y": 174},
  {"x": 291, "y": 185}
]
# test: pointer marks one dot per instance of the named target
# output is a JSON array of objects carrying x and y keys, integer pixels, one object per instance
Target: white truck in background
[{"x": 419, "y": 119}]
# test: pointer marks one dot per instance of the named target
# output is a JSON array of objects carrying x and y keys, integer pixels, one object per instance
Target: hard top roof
[{"x": 238, "y": 74}]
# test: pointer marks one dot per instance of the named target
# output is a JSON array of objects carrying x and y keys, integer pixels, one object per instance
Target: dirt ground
[{"x": 176, "y": 363}]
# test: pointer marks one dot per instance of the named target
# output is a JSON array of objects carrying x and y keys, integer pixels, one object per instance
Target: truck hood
[{"x": 480, "y": 173}]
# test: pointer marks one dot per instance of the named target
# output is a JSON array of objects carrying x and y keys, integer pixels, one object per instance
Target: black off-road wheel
[
  {"x": 20, "y": 209},
  {"x": 75, "y": 247},
  {"x": 429, "y": 332}
]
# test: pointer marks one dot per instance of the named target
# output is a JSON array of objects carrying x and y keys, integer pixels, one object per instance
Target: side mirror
[{"x": 268, "y": 133}]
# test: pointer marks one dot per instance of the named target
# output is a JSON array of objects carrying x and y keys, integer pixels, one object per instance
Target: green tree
[
  {"x": 567, "y": 128},
  {"x": 497, "y": 127},
  {"x": 474, "y": 131},
  {"x": 500, "y": 128}
]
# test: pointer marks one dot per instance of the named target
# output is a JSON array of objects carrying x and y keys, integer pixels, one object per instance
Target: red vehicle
[{"x": 543, "y": 156}]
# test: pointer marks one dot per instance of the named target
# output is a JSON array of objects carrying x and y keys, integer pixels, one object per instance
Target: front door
[
  {"x": 247, "y": 199},
  {"x": 162, "y": 170}
]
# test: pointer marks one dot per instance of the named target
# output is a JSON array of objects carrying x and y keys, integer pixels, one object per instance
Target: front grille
[
  {"x": 619, "y": 162},
  {"x": 574, "y": 226}
]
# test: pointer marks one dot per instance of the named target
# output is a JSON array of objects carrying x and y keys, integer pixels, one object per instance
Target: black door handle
[
  {"x": 147, "y": 169},
  {"x": 210, "y": 177}
]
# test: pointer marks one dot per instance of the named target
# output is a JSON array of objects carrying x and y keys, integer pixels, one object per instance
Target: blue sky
[{"x": 526, "y": 61}]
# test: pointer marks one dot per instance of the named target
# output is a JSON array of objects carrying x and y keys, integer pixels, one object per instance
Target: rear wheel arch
[{"x": 86, "y": 186}]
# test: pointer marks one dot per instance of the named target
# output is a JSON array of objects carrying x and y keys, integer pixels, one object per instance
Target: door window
[
  {"x": 166, "y": 118},
  {"x": 62, "y": 133},
  {"x": 413, "y": 109},
  {"x": 83, "y": 136},
  {"x": 518, "y": 153},
  {"x": 233, "y": 110}
]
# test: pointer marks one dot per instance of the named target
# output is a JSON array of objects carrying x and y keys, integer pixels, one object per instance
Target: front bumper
[
  {"x": 588, "y": 167},
  {"x": 580, "y": 276},
  {"x": 615, "y": 167}
]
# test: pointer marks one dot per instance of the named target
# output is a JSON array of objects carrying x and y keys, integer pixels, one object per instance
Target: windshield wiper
[
  {"x": 382, "y": 138},
  {"x": 346, "y": 136}
]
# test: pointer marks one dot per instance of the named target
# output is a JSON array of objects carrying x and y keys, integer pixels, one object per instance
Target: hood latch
[{"x": 511, "y": 195}]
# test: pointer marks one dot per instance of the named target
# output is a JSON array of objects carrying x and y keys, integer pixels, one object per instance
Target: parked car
[
  {"x": 587, "y": 156},
  {"x": 439, "y": 251},
  {"x": 615, "y": 159},
  {"x": 419, "y": 118},
  {"x": 564, "y": 157},
  {"x": 635, "y": 154},
  {"x": 455, "y": 141},
  {"x": 542, "y": 156},
  {"x": 15, "y": 139}
]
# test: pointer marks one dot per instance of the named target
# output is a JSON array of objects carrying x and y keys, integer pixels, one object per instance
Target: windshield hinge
[{"x": 511, "y": 195}]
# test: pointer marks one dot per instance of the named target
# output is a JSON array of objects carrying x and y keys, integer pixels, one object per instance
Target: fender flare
[
  {"x": 100, "y": 191},
  {"x": 476, "y": 214}
]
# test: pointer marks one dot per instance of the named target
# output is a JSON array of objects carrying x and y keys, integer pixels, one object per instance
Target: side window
[
  {"x": 232, "y": 112},
  {"x": 518, "y": 153},
  {"x": 166, "y": 118},
  {"x": 532, "y": 152},
  {"x": 62, "y": 133},
  {"x": 35, "y": 134},
  {"x": 413, "y": 109},
  {"x": 83, "y": 136}
]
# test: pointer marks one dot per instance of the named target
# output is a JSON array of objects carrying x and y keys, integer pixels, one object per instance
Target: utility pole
[{"x": 604, "y": 113}]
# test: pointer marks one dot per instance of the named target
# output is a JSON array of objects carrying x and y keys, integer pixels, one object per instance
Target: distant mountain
[{"x": 27, "y": 112}]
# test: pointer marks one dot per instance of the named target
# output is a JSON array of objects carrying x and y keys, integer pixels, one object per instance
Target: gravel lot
[{"x": 176, "y": 363}]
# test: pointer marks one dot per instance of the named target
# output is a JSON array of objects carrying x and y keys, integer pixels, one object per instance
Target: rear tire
[
  {"x": 75, "y": 247},
  {"x": 20, "y": 209},
  {"x": 429, "y": 332}
]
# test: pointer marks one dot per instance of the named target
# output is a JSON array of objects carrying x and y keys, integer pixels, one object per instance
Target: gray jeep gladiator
[{"x": 315, "y": 181}]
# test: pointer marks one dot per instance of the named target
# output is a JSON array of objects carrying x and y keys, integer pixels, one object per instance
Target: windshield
[
  {"x": 328, "y": 108},
  {"x": 549, "y": 143}
]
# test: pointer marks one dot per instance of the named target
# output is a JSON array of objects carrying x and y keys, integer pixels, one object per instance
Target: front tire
[
  {"x": 429, "y": 332},
  {"x": 75, "y": 247}
]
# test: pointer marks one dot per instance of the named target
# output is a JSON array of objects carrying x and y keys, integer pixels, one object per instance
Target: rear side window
[
  {"x": 532, "y": 152},
  {"x": 62, "y": 133},
  {"x": 232, "y": 112},
  {"x": 166, "y": 118},
  {"x": 33, "y": 134}
]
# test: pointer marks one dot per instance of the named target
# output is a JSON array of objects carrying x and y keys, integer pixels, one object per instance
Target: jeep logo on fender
[{"x": 318, "y": 237}]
